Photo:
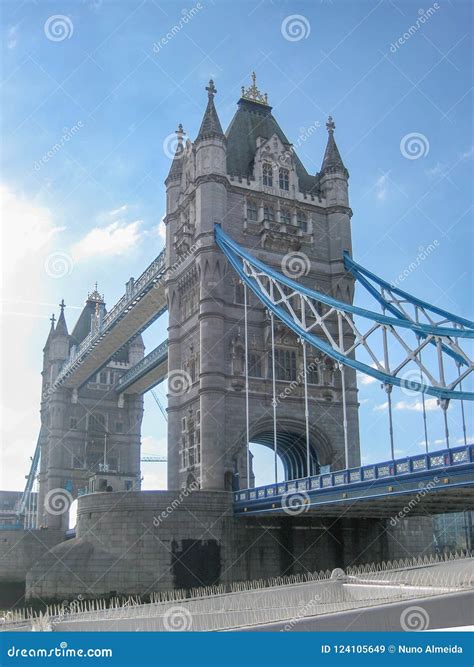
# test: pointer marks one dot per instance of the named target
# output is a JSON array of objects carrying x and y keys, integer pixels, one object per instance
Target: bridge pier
[{"x": 144, "y": 542}]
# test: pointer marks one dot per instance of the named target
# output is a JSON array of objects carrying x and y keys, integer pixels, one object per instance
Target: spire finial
[
  {"x": 180, "y": 133},
  {"x": 95, "y": 296},
  {"x": 330, "y": 125},
  {"x": 211, "y": 89},
  {"x": 52, "y": 319},
  {"x": 252, "y": 92},
  {"x": 62, "y": 305}
]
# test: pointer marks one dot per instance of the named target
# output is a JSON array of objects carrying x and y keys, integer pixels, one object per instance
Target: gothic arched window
[
  {"x": 302, "y": 220},
  {"x": 284, "y": 179},
  {"x": 313, "y": 372},
  {"x": 267, "y": 174},
  {"x": 285, "y": 364},
  {"x": 269, "y": 213},
  {"x": 239, "y": 293},
  {"x": 255, "y": 366},
  {"x": 285, "y": 216},
  {"x": 252, "y": 210}
]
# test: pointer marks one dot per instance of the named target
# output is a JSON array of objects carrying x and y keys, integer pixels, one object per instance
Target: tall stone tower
[
  {"x": 87, "y": 430},
  {"x": 251, "y": 181}
]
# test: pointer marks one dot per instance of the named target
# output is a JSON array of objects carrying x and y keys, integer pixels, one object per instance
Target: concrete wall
[
  {"x": 142, "y": 542},
  {"x": 19, "y": 551}
]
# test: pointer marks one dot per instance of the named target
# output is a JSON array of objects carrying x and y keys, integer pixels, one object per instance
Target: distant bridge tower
[
  {"x": 251, "y": 182},
  {"x": 88, "y": 429}
]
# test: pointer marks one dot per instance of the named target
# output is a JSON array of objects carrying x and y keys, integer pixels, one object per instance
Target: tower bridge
[{"x": 265, "y": 340}]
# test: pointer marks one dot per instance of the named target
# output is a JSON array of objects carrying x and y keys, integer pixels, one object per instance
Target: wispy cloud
[
  {"x": 417, "y": 406},
  {"x": 115, "y": 239},
  {"x": 12, "y": 37},
  {"x": 381, "y": 187}
]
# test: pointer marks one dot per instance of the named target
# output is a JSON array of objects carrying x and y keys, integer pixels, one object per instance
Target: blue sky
[{"x": 110, "y": 100}]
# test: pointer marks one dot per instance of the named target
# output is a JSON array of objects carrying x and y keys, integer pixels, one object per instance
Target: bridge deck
[
  {"x": 437, "y": 482},
  {"x": 145, "y": 375},
  {"x": 132, "y": 314}
]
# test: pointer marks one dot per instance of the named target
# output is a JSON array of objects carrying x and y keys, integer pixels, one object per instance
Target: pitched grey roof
[
  {"x": 176, "y": 168},
  {"x": 332, "y": 160},
  {"x": 250, "y": 121},
  {"x": 211, "y": 125},
  {"x": 61, "y": 326}
]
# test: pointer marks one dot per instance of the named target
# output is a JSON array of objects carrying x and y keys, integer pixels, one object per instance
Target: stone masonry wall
[{"x": 143, "y": 542}]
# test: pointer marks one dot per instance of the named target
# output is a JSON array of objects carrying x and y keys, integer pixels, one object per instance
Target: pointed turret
[
  {"x": 332, "y": 161},
  {"x": 176, "y": 169},
  {"x": 52, "y": 319},
  {"x": 61, "y": 326},
  {"x": 211, "y": 125},
  {"x": 211, "y": 143}
]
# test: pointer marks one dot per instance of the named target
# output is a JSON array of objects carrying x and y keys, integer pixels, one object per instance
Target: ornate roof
[{"x": 211, "y": 125}]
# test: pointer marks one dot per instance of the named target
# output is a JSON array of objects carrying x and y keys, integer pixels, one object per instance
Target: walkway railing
[
  {"x": 156, "y": 356},
  {"x": 398, "y": 468},
  {"x": 140, "y": 287}
]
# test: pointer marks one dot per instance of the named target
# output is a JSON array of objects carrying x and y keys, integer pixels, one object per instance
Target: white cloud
[
  {"x": 116, "y": 211},
  {"x": 467, "y": 155},
  {"x": 438, "y": 170},
  {"x": 12, "y": 37},
  {"x": 417, "y": 406},
  {"x": 162, "y": 230},
  {"x": 364, "y": 379},
  {"x": 413, "y": 406},
  {"x": 118, "y": 238},
  {"x": 28, "y": 232},
  {"x": 381, "y": 187}
]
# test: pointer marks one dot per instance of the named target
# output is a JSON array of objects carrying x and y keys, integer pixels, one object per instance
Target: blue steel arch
[{"x": 237, "y": 256}]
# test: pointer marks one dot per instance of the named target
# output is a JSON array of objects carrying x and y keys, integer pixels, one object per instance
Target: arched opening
[
  {"x": 73, "y": 515},
  {"x": 263, "y": 465},
  {"x": 291, "y": 456}
]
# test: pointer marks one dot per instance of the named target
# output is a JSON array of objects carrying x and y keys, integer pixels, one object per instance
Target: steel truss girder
[{"x": 277, "y": 293}]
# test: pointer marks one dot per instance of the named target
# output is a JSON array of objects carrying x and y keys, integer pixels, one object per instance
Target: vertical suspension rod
[
  {"x": 422, "y": 393},
  {"x": 247, "y": 422},
  {"x": 343, "y": 386},
  {"x": 388, "y": 389}
]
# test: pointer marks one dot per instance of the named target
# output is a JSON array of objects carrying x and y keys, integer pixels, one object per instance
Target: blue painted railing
[
  {"x": 353, "y": 476},
  {"x": 141, "y": 286},
  {"x": 156, "y": 356}
]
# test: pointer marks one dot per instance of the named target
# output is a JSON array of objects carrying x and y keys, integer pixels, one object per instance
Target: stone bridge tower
[
  {"x": 89, "y": 431},
  {"x": 251, "y": 181}
]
